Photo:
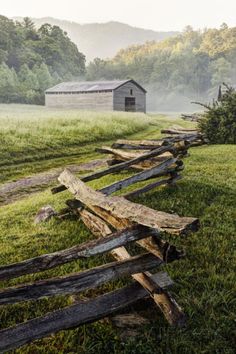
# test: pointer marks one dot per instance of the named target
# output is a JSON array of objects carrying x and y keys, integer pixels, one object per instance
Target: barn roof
[{"x": 90, "y": 86}]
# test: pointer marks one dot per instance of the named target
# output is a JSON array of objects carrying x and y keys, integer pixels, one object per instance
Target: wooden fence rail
[
  {"x": 72, "y": 316},
  {"x": 115, "y": 221},
  {"x": 85, "y": 250}
]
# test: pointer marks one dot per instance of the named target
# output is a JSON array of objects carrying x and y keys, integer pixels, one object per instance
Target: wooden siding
[
  {"x": 99, "y": 101},
  {"x": 124, "y": 91}
]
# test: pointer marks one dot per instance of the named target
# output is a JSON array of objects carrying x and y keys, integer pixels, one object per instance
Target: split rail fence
[{"x": 115, "y": 221}]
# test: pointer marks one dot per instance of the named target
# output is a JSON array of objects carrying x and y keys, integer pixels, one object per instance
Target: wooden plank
[
  {"x": 118, "y": 153},
  {"x": 122, "y": 155},
  {"x": 177, "y": 132},
  {"x": 151, "y": 186},
  {"x": 178, "y": 142},
  {"x": 142, "y": 176},
  {"x": 85, "y": 250},
  {"x": 155, "y": 245},
  {"x": 120, "y": 167},
  {"x": 185, "y": 130},
  {"x": 171, "y": 310},
  {"x": 181, "y": 137},
  {"x": 138, "y": 144},
  {"x": 124, "y": 209},
  {"x": 79, "y": 282},
  {"x": 70, "y": 317}
]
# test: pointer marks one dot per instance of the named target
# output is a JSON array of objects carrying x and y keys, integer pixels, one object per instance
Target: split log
[
  {"x": 129, "y": 155},
  {"x": 142, "y": 176},
  {"x": 187, "y": 138},
  {"x": 195, "y": 117},
  {"x": 121, "y": 166},
  {"x": 151, "y": 186},
  {"x": 71, "y": 316},
  {"x": 171, "y": 310},
  {"x": 150, "y": 144},
  {"x": 174, "y": 131},
  {"x": 85, "y": 250},
  {"x": 182, "y": 129},
  {"x": 124, "y": 209},
  {"x": 79, "y": 282},
  {"x": 155, "y": 245},
  {"x": 138, "y": 144},
  {"x": 121, "y": 155}
]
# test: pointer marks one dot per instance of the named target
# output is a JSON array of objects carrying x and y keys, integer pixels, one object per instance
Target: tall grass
[{"x": 28, "y": 133}]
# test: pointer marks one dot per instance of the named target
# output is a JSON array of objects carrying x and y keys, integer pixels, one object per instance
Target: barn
[{"x": 126, "y": 95}]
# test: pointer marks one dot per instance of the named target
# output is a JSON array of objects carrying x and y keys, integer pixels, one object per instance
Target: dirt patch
[{"x": 13, "y": 191}]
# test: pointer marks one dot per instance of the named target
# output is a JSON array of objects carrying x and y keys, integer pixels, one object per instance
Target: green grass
[
  {"x": 29, "y": 135},
  {"x": 204, "y": 281},
  {"x": 35, "y": 139}
]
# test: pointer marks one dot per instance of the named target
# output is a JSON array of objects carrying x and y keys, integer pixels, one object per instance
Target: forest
[
  {"x": 187, "y": 67},
  {"x": 32, "y": 60},
  {"x": 175, "y": 71}
]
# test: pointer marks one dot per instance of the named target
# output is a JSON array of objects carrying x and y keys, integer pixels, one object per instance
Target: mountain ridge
[{"x": 103, "y": 40}]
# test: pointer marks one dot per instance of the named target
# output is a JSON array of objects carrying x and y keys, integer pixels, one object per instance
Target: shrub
[{"x": 218, "y": 123}]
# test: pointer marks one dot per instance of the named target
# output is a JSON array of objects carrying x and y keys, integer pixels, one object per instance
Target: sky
[{"x": 159, "y": 15}]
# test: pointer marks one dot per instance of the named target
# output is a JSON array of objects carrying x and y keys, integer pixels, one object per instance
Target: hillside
[
  {"x": 103, "y": 40},
  {"x": 31, "y": 60},
  {"x": 178, "y": 70}
]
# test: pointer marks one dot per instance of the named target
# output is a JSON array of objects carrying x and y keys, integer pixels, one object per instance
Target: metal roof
[{"x": 90, "y": 86}]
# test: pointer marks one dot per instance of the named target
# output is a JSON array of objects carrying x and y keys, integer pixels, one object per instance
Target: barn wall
[
  {"x": 124, "y": 91},
  {"x": 101, "y": 101}
]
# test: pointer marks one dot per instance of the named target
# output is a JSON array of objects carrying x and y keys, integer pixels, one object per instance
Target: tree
[
  {"x": 8, "y": 85},
  {"x": 35, "y": 59},
  {"x": 221, "y": 71},
  {"x": 219, "y": 120},
  {"x": 43, "y": 76}
]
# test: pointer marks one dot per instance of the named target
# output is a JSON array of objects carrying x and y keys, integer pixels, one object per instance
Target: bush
[{"x": 219, "y": 120}]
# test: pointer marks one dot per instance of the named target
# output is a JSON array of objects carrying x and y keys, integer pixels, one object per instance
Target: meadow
[
  {"x": 204, "y": 280},
  {"x": 32, "y": 133}
]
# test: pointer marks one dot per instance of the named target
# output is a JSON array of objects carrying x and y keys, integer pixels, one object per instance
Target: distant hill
[{"x": 103, "y": 40}]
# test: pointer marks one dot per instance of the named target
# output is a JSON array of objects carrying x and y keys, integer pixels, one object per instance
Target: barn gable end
[{"x": 130, "y": 97}]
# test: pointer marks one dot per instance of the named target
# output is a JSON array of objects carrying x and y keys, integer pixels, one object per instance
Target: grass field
[
  {"x": 204, "y": 281},
  {"x": 29, "y": 135}
]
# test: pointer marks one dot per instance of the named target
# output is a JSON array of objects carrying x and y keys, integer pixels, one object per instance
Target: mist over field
[
  {"x": 103, "y": 40},
  {"x": 175, "y": 68}
]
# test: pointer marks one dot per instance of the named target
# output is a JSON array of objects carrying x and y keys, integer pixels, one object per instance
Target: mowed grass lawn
[{"x": 204, "y": 280}]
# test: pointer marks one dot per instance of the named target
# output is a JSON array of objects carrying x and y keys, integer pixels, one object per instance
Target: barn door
[{"x": 130, "y": 104}]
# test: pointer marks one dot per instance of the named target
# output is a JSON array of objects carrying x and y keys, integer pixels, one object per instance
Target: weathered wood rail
[{"x": 115, "y": 221}]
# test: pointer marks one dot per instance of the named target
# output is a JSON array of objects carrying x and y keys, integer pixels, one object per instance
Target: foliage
[
  {"x": 219, "y": 120},
  {"x": 32, "y": 60},
  {"x": 190, "y": 65}
]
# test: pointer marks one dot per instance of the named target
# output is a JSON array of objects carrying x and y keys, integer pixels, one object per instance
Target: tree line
[
  {"x": 32, "y": 60},
  {"x": 190, "y": 66}
]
